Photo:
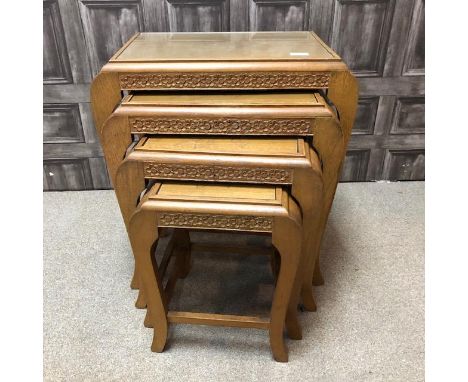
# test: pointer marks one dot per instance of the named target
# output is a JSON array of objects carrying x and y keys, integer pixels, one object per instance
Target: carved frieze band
[
  {"x": 234, "y": 222},
  {"x": 232, "y": 126},
  {"x": 217, "y": 173},
  {"x": 225, "y": 80}
]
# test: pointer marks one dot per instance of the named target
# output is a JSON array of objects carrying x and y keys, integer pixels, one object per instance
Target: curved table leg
[
  {"x": 286, "y": 238},
  {"x": 115, "y": 140},
  {"x": 307, "y": 189},
  {"x": 343, "y": 92},
  {"x": 143, "y": 233},
  {"x": 129, "y": 183},
  {"x": 105, "y": 96}
]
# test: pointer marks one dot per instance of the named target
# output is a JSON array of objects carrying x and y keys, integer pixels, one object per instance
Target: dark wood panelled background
[{"x": 381, "y": 40}]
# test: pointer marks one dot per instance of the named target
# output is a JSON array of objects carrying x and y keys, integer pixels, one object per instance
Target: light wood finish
[
  {"x": 211, "y": 319},
  {"x": 281, "y": 217},
  {"x": 311, "y": 72},
  {"x": 142, "y": 64},
  {"x": 232, "y": 46},
  {"x": 381, "y": 41},
  {"x": 328, "y": 141},
  {"x": 301, "y": 169},
  {"x": 213, "y": 117},
  {"x": 200, "y": 113},
  {"x": 178, "y": 248},
  {"x": 316, "y": 110},
  {"x": 343, "y": 93},
  {"x": 177, "y": 191},
  {"x": 213, "y": 145},
  {"x": 105, "y": 96},
  {"x": 223, "y": 99}
]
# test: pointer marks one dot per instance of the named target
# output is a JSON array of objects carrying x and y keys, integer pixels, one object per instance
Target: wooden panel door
[
  {"x": 383, "y": 43},
  {"x": 72, "y": 154},
  {"x": 381, "y": 40}
]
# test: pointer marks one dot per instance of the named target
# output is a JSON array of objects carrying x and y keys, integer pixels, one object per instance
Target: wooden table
[{"x": 234, "y": 61}]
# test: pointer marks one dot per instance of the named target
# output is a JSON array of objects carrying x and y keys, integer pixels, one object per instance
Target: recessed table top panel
[
  {"x": 203, "y": 191},
  {"x": 225, "y": 46},
  {"x": 225, "y": 99},
  {"x": 254, "y": 113},
  {"x": 234, "y": 146}
]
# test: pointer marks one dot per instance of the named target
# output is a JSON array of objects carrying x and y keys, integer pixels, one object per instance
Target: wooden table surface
[
  {"x": 227, "y": 46},
  {"x": 236, "y": 61}
]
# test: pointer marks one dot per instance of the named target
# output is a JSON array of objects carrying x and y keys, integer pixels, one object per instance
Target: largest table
[{"x": 236, "y": 61}]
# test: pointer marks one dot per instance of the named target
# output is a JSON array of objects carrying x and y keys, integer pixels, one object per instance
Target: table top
[
  {"x": 254, "y": 105},
  {"x": 224, "y": 99},
  {"x": 217, "y": 192},
  {"x": 225, "y": 46},
  {"x": 223, "y": 145}
]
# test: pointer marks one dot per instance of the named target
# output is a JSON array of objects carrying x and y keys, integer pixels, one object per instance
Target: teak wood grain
[
  {"x": 278, "y": 214},
  {"x": 145, "y": 63},
  {"x": 277, "y": 114},
  {"x": 300, "y": 168},
  {"x": 322, "y": 124},
  {"x": 209, "y": 69},
  {"x": 224, "y": 47}
]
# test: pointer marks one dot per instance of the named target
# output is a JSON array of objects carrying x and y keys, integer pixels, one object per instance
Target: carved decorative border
[
  {"x": 217, "y": 173},
  {"x": 243, "y": 223},
  {"x": 225, "y": 80},
  {"x": 232, "y": 126}
]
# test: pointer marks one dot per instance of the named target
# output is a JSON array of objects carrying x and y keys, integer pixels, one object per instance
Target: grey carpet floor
[{"x": 369, "y": 325}]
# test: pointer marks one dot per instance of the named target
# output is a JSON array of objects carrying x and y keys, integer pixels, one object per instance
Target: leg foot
[
  {"x": 148, "y": 323},
  {"x": 286, "y": 238},
  {"x": 134, "y": 283},
  {"x": 159, "y": 339},
  {"x": 318, "y": 278},
  {"x": 143, "y": 234},
  {"x": 141, "y": 300},
  {"x": 308, "y": 298},
  {"x": 293, "y": 327}
]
